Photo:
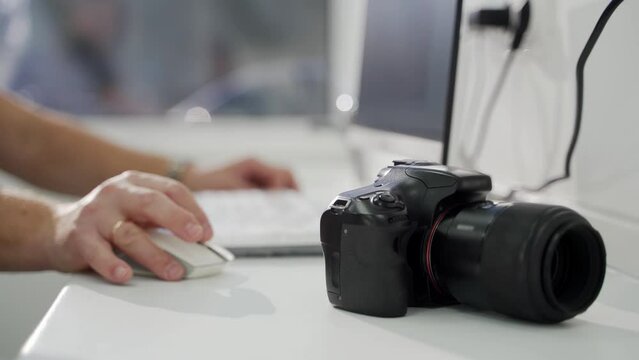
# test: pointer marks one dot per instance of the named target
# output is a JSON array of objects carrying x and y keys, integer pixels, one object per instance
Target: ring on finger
[{"x": 116, "y": 227}]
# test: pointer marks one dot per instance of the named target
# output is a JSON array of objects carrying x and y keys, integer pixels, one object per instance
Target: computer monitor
[{"x": 407, "y": 83}]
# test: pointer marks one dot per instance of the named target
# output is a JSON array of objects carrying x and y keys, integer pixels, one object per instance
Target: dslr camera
[{"x": 423, "y": 234}]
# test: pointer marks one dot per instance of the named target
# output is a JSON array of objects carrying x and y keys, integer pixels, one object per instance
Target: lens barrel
[{"x": 536, "y": 262}]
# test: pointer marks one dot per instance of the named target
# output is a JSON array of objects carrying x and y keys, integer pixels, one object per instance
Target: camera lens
[
  {"x": 537, "y": 262},
  {"x": 568, "y": 262}
]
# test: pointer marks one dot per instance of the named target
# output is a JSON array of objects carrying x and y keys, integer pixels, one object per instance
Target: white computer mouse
[{"x": 198, "y": 259}]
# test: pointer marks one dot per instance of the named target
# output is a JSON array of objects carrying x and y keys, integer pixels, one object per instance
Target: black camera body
[{"x": 423, "y": 234}]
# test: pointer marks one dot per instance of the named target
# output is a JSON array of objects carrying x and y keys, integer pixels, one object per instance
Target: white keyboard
[{"x": 255, "y": 222}]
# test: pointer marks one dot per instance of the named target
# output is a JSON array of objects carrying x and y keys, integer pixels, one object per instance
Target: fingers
[
  {"x": 239, "y": 184},
  {"x": 287, "y": 180},
  {"x": 177, "y": 192},
  {"x": 146, "y": 205},
  {"x": 280, "y": 179},
  {"x": 268, "y": 177},
  {"x": 136, "y": 243},
  {"x": 130, "y": 200},
  {"x": 98, "y": 254}
]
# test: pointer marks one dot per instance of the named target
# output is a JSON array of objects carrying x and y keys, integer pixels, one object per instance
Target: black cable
[{"x": 581, "y": 63}]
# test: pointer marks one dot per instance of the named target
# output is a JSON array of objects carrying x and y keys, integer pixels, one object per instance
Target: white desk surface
[
  {"x": 277, "y": 308},
  {"x": 318, "y": 157}
]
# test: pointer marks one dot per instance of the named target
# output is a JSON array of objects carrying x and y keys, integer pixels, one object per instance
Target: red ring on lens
[{"x": 429, "y": 244}]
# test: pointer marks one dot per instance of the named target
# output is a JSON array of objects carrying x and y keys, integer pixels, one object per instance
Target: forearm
[
  {"x": 26, "y": 226},
  {"x": 50, "y": 152}
]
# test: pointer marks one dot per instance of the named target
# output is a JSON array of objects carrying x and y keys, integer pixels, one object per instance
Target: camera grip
[{"x": 374, "y": 276}]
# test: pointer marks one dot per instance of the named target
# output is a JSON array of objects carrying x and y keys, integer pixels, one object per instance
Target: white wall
[
  {"x": 532, "y": 124},
  {"x": 531, "y": 127}
]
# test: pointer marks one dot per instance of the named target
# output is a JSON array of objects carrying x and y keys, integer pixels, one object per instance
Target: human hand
[
  {"x": 246, "y": 174},
  {"x": 114, "y": 215}
]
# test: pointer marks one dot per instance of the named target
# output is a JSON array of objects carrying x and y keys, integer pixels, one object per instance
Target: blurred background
[
  {"x": 148, "y": 57},
  {"x": 269, "y": 66}
]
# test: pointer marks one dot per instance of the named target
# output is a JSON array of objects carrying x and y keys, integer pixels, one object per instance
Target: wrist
[
  {"x": 190, "y": 178},
  {"x": 52, "y": 243},
  {"x": 25, "y": 244},
  {"x": 178, "y": 169}
]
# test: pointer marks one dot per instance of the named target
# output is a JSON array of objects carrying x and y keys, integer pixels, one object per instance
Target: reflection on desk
[{"x": 270, "y": 308}]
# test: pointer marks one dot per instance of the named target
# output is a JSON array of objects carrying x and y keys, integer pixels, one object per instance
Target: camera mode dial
[{"x": 387, "y": 200}]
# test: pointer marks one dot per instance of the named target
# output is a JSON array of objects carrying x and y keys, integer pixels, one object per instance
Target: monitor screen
[{"x": 408, "y": 68}]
